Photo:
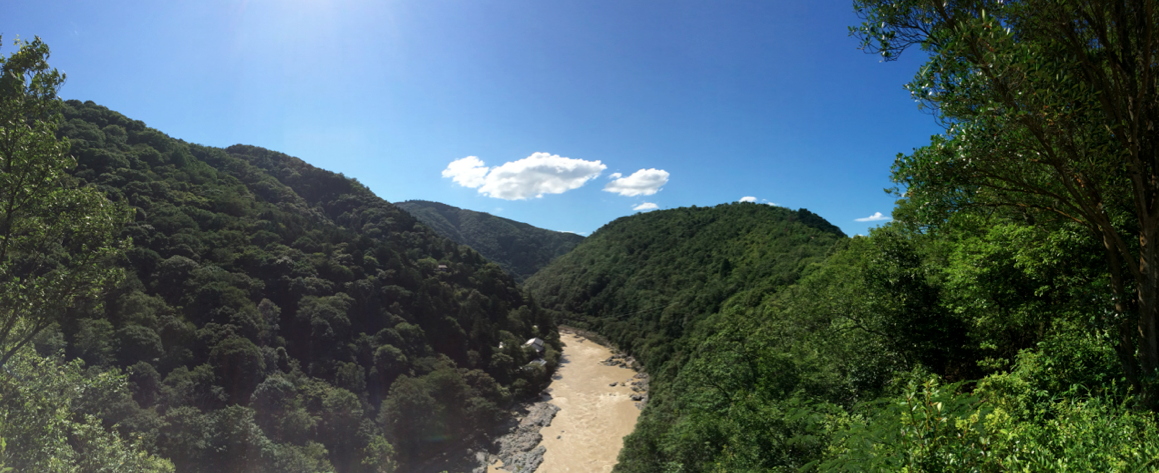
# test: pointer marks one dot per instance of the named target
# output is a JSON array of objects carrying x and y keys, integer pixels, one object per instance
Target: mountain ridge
[
  {"x": 519, "y": 248},
  {"x": 276, "y": 316},
  {"x": 692, "y": 257}
]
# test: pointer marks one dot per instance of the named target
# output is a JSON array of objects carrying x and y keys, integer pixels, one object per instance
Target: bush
[
  {"x": 44, "y": 429},
  {"x": 939, "y": 428}
]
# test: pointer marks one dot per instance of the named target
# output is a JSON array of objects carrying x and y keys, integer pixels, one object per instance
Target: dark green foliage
[
  {"x": 920, "y": 328},
  {"x": 271, "y": 308},
  {"x": 646, "y": 280},
  {"x": 60, "y": 417},
  {"x": 443, "y": 404},
  {"x": 58, "y": 237},
  {"x": 518, "y": 248},
  {"x": 1033, "y": 96},
  {"x": 671, "y": 287},
  {"x": 981, "y": 345}
]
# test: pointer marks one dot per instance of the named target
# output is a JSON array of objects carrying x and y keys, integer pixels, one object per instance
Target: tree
[
  {"x": 55, "y": 238},
  {"x": 1050, "y": 108},
  {"x": 52, "y": 419}
]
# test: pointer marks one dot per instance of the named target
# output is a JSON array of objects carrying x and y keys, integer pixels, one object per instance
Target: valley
[
  {"x": 596, "y": 409},
  {"x": 169, "y": 307}
]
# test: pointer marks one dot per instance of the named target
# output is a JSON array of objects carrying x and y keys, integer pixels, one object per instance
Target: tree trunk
[
  {"x": 1147, "y": 289},
  {"x": 1127, "y": 330}
]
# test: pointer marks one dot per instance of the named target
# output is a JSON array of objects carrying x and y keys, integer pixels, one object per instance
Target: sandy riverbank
[
  {"x": 587, "y": 433},
  {"x": 577, "y": 425}
]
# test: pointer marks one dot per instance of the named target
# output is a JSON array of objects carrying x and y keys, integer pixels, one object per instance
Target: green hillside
[
  {"x": 647, "y": 279},
  {"x": 655, "y": 283},
  {"x": 518, "y": 248},
  {"x": 279, "y": 317},
  {"x": 777, "y": 344}
]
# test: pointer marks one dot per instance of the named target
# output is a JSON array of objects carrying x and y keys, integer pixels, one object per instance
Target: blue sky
[{"x": 681, "y": 102}]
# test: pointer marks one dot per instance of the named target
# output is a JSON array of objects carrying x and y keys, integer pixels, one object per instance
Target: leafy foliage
[
  {"x": 1048, "y": 108},
  {"x": 518, "y": 248},
  {"x": 273, "y": 313},
  {"x": 1005, "y": 322},
  {"x": 663, "y": 285},
  {"x": 645, "y": 280},
  {"x": 980, "y": 346},
  {"x": 53, "y": 419},
  {"x": 56, "y": 238}
]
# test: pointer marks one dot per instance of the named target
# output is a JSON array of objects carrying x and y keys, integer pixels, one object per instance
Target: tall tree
[
  {"x": 55, "y": 237},
  {"x": 1049, "y": 106}
]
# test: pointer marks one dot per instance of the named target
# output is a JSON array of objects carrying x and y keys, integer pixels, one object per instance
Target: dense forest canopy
[
  {"x": 274, "y": 316},
  {"x": 645, "y": 279},
  {"x": 56, "y": 239},
  {"x": 518, "y": 248},
  {"x": 776, "y": 343},
  {"x": 1049, "y": 107},
  {"x": 1004, "y": 322}
]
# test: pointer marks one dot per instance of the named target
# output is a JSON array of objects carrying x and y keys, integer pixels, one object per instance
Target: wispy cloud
[
  {"x": 749, "y": 198},
  {"x": 533, "y": 176},
  {"x": 646, "y": 206},
  {"x": 876, "y": 217},
  {"x": 642, "y": 182}
]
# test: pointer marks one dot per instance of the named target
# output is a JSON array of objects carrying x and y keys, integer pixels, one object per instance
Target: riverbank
[
  {"x": 599, "y": 398},
  {"x": 577, "y": 425}
]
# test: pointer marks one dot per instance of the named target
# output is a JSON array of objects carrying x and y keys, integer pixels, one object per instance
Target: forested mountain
[
  {"x": 518, "y": 248},
  {"x": 279, "y": 317},
  {"x": 646, "y": 279},
  {"x": 776, "y": 344},
  {"x": 654, "y": 282}
]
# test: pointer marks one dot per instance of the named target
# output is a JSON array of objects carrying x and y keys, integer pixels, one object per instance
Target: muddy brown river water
[{"x": 587, "y": 433}]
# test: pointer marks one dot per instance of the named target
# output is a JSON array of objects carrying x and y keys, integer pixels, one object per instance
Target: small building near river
[{"x": 537, "y": 344}]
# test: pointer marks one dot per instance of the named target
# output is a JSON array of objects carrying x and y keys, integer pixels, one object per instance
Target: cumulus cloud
[
  {"x": 533, "y": 176},
  {"x": 468, "y": 172},
  {"x": 876, "y": 217},
  {"x": 615, "y": 175},
  {"x": 748, "y": 198},
  {"x": 642, "y": 182},
  {"x": 645, "y": 206}
]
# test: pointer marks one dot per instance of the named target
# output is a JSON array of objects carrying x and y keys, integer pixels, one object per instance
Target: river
[{"x": 588, "y": 431}]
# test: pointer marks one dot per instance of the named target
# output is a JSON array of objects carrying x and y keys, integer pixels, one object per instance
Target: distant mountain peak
[{"x": 519, "y": 248}]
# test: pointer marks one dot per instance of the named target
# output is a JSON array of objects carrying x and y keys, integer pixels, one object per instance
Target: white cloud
[
  {"x": 876, "y": 217},
  {"x": 533, "y": 176},
  {"x": 615, "y": 175},
  {"x": 642, "y": 182},
  {"x": 749, "y": 198},
  {"x": 468, "y": 172},
  {"x": 645, "y": 206}
]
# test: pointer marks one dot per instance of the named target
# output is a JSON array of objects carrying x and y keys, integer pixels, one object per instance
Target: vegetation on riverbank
[
  {"x": 978, "y": 345},
  {"x": 173, "y": 306},
  {"x": 1005, "y": 321},
  {"x": 258, "y": 313}
]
